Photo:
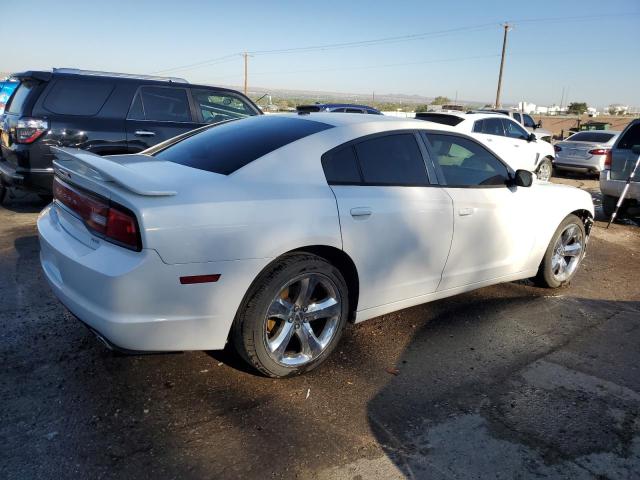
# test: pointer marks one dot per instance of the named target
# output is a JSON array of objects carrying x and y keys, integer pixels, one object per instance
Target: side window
[
  {"x": 162, "y": 104},
  {"x": 217, "y": 106},
  {"x": 493, "y": 126},
  {"x": 529, "y": 122},
  {"x": 392, "y": 160},
  {"x": 465, "y": 163},
  {"x": 630, "y": 138},
  {"x": 517, "y": 117},
  {"x": 79, "y": 96},
  {"x": 353, "y": 110},
  {"x": 478, "y": 126},
  {"x": 341, "y": 167},
  {"x": 513, "y": 130}
]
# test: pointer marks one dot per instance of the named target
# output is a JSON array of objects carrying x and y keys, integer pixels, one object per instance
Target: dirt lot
[{"x": 511, "y": 381}]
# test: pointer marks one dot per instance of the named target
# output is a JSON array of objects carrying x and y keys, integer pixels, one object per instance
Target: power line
[{"x": 387, "y": 40}]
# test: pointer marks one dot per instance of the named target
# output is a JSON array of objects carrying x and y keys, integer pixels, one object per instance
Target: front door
[
  {"x": 493, "y": 232},
  {"x": 395, "y": 225}
]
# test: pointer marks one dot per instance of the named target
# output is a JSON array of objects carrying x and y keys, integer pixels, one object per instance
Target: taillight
[
  {"x": 28, "y": 130},
  {"x": 110, "y": 221},
  {"x": 607, "y": 160},
  {"x": 599, "y": 151},
  {"x": 557, "y": 148}
]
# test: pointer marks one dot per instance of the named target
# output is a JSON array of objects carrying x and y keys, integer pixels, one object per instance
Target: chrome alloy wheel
[
  {"x": 544, "y": 171},
  {"x": 567, "y": 253},
  {"x": 302, "y": 319}
]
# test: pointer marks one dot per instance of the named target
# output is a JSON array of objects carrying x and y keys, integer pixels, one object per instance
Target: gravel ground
[{"x": 510, "y": 381}]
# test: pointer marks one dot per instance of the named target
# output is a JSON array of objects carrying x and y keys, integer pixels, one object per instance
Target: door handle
[
  {"x": 145, "y": 133},
  {"x": 463, "y": 212},
  {"x": 361, "y": 212}
]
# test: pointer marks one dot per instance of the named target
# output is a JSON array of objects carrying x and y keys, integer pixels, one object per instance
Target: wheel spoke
[
  {"x": 310, "y": 344},
  {"x": 280, "y": 308},
  {"x": 562, "y": 266},
  {"x": 307, "y": 287},
  {"x": 327, "y": 308},
  {"x": 279, "y": 344},
  {"x": 573, "y": 250}
]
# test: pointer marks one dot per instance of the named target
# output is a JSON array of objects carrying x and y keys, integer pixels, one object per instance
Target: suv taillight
[
  {"x": 106, "y": 219},
  {"x": 28, "y": 130},
  {"x": 607, "y": 160}
]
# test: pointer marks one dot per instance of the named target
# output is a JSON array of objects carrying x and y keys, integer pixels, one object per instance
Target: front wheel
[
  {"x": 544, "y": 170},
  {"x": 564, "y": 254},
  {"x": 293, "y": 316}
]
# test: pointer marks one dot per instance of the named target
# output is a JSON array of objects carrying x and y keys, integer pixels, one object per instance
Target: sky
[{"x": 591, "y": 49}]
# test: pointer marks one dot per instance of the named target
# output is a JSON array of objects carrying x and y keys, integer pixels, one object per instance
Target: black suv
[{"x": 105, "y": 113}]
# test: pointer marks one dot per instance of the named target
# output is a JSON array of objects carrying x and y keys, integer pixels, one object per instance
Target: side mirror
[
  {"x": 636, "y": 149},
  {"x": 539, "y": 124},
  {"x": 532, "y": 137},
  {"x": 523, "y": 178}
]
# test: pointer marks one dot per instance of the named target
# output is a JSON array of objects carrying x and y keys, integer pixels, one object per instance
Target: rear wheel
[
  {"x": 293, "y": 316},
  {"x": 544, "y": 170},
  {"x": 564, "y": 254}
]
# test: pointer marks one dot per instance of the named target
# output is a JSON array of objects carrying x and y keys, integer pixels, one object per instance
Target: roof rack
[{"x": 77, "y": 71}]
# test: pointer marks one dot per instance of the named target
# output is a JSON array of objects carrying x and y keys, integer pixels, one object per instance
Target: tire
[
  {"x": 551, "y": 274},
  {"x": 280, "y": 290},
  {"x": 544, "y": 171}
]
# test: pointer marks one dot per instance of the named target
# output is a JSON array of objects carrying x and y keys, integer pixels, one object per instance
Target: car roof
[
  {"x": 347, "y": 119},
  {"x": 465, "y": 115}
]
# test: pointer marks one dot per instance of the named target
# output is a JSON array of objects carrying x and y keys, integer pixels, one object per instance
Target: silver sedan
[{"x": 585, "y": 151}]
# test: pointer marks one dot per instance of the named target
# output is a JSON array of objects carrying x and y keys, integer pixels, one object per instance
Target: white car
[
  {"x": 506, "y": 137},
  {"x": 272, "y": 232},
  {"x": 585, "y": 151}
]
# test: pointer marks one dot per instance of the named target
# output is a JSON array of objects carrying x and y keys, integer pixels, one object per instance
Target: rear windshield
[
  {"x": 452, "y": 120},
  {"x": 595, "y": 137},
  {"x": 20, "y": 97},
  {"x": 230, "y": 146}
]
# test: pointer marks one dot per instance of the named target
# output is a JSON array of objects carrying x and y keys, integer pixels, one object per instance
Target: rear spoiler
[{"x": 81, "y": 162}]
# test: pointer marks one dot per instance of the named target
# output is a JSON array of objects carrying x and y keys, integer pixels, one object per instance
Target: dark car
[
  {"x": 105, "y": 113},
  {"x": 338, "y": 107}
]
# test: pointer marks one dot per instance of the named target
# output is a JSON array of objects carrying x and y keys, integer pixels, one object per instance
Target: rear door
[
  {"x": 158, "y": 113},
  {"x": 494, "y": 230},
  {"x": 491, "y": 132},
  {"x": 396, "y": 225}
]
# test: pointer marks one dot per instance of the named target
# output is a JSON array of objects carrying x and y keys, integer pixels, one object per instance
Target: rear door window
[
  {"x": 392, "y": 160},
  {"x": 217, "y": 106},
  {"x": 161, "y": 104},
  {"x": 227, "y": 147},
  {"x": 77, "y": 96},
  {"x": 341, "y": 167},
  {"x": 493, "y": 126},
  {"x": 630, "y": 138}
]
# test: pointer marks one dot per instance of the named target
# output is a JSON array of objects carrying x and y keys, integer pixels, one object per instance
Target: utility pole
[
  {"x": 507, "y": 27},
  {"x": 246, "y": 62}
]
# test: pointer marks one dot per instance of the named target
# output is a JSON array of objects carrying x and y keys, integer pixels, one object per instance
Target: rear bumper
[
  {"x": 614, "y": 188},
  {"x": 135, "y": 300},
  {"x": 39, "y": 181},
  {"x": 593, "y": 164}
]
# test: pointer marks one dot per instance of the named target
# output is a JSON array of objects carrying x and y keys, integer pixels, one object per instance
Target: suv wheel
[
  {"x": 544, "y": 170},
  {"x": 293, "y": 316}
]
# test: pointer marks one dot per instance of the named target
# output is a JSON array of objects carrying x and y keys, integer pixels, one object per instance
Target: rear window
[
  {"x": 341, "y": 167},
  {"x": 594, "y": 137},
  {"x": 631, "y": 137},
  {"x": 161, "y": 104},
  {"x": 230, "y": 146},
  {"x": 77, "y": 96},
  {"x": 452, "y": 120},
  {"x": 20, "y": 97}
]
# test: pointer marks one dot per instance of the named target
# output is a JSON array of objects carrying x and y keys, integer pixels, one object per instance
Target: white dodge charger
[{"x": 272, "y": 232}]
